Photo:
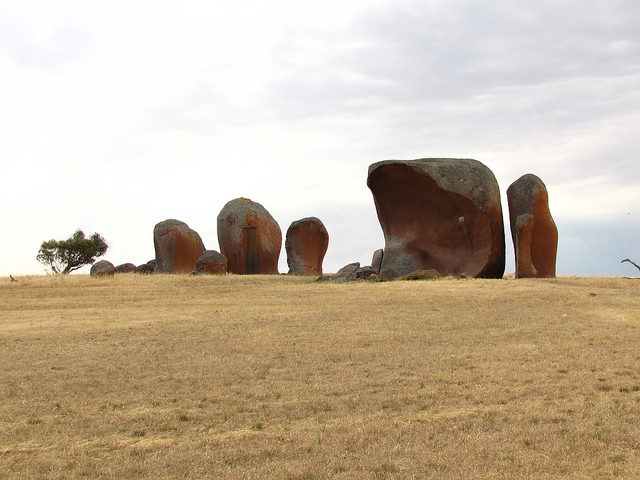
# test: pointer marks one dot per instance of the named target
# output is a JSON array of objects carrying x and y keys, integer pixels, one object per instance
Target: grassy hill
[{"x": 174, "y": 376}]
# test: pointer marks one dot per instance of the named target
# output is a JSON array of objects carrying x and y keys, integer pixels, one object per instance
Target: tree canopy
[{"x": 65, "y": 256}]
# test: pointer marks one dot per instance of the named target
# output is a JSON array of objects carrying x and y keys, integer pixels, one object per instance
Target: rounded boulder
[
  {"x": 103, "y": 268},
  {"x": 212, "y": 262},
  {"x": 249, "y": 237},
  {"x": 306, "y": 244},
  {"x": 177, "y": 247}
]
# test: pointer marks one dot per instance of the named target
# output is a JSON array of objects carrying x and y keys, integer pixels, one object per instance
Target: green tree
[{"x": 65, "y": 256}]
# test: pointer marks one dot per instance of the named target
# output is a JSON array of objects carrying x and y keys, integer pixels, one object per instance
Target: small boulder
[
  {"x": 306, "y": 244},
  {"x": 376, "y": 261},
  {"x": 146, "y": 268},
  {"x": 348, "y": 273},
  {"x": 249, "y": 237},
  {"x": 103, "y": 268},
  {"x": 533, "y": 231},
  {"x": 364, "y": 273},
  {"x": 126, "y": 268},
  {"x": 177, "y": 247},
  {"x": 211, "y": 262}
]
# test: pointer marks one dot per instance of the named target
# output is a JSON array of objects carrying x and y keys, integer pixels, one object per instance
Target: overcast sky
[{"x": 115, "y": 116}]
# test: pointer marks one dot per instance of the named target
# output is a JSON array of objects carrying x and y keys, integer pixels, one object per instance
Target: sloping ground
[{"x": 278, "y": 377}]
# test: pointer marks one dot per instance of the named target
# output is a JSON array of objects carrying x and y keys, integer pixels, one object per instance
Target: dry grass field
[{"x": 172, "y": 377}]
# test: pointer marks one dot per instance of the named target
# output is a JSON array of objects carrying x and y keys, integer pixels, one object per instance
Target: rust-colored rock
[
  {"x": 212, "y": 262},
  {"x": 438, "y": 213},
  {"x": 534, "y": 233},
  {"x": 103, "y": 268},
  {"x": 306, "y": 243},
  {"x": 249, "y": 237},
  {"x": 177, "y": 247}
]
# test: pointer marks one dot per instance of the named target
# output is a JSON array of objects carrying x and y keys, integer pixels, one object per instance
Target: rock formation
[
  {"x": 249, "y": 237},
  {"x": 103, "y": 268},
  {"x": 306, "y": 243},
  {"x": 353, "y": 272},
  {"x": 126, "y": 268},
  {"x": 534, "y": 233},
  {"x": 376, "y": 261},
  {"x": 147, "y": 268},
  {"x": 177, "y": 247},
  {"x": 438, "y": 213},
  {"x": 212, "y": 262}
]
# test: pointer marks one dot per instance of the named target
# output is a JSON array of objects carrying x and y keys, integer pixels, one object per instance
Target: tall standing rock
[
  {"x": 177, "y": 247},
  {"x": 306, "y": 244},
  {"x": 249, "y": 237},
  {"x": 534, "y": 233},
  {"x": 439, "y": 213}
]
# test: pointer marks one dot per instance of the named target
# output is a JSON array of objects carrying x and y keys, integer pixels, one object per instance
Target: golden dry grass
[{"x": 277, "y": 377}]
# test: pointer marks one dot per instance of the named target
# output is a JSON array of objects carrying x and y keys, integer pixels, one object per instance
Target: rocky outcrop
[
  {"x": 348, "y": 273},
  {"x": 103, "y": 268},
  {"x": 211, "y": 262},
  {"x": 126, "y": 268},
  {"x": 353, "y": 272},
  {"x": 177, "y": 247},
  {"x": 533, "y": 231},
  {"x": 249, "y": 237},
  {"x": 438, "y": 213},
  {"x": 306, "y": 244}
]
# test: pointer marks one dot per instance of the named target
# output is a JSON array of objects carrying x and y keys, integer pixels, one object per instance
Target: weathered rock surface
[
  {"x": 103, "y": 268},
  {"x": 376, "y": 261},
  {"x": 348, "y": 273},
  {"x": 249, "y": 237},
  {"x": 212, "y": 262},
  {"x": 366, "y": 273},
  {"x": 438, "y": 213},
  {"x": 533, "y": 231},
  {"x": 126, "y": 268},
  {"x": 177, "y": 247},
  {"x": 306, "y": 244},
  {"x": 353, "y": 272},
  {"x": 145, "y": 268}
]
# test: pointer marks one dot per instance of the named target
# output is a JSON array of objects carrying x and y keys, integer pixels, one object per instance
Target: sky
[{"x": 117, "y": 115}]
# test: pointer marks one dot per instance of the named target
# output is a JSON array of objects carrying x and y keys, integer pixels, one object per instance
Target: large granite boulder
[
  {"x": 249, "y": 237},
  {"x": 212, "y": 262},
  {"x": 534, "y": 233},
  {"x": 103, "y": 268},
  {"x": 306, "y": 243},
  {"x": 177, "y": 247},
  {"x": 438, "y": 213}
]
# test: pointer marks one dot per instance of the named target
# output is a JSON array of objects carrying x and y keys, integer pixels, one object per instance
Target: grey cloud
[{"x": 427, "y": 53}]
